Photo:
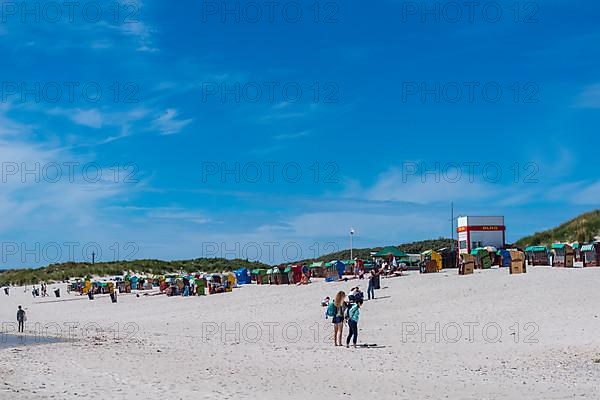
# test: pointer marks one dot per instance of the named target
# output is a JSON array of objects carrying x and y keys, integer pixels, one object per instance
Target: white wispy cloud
[
  {"x": 9, "y": 127},
  {"x": 287, "y": 136},
  {"x": 395, "y": 185},
  {"x": 179, "y": 215},
  {"x": 98, "y": 118},
  {"x": 169, "y": 124},
  {"x": 137, "y": 28},
  {"x": 91, "y": 118}
]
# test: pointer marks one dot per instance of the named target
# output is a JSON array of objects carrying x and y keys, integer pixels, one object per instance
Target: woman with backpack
[{"x": 337, "y": 310}]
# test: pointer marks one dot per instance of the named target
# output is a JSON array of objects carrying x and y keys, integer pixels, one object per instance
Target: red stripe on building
[{"x": 481, "y": 228}]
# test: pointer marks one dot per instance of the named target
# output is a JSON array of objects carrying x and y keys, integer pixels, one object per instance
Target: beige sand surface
[{"x": 184, "y": 348}]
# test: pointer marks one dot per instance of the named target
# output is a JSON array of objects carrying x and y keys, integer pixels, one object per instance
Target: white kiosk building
[{"x": 476, "y": 232}]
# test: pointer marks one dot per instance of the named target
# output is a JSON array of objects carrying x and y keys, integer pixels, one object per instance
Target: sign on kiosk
[{"x": 476, "y": 232}]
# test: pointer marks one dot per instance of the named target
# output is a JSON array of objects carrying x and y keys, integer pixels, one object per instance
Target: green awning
[
  {"x": 537, "y": 249},
  {"x": 575, "y": 245},
  {"x": 558, "y": 246},
  {"x": 287, "y": 270},
  {"x": 587, "y": 247},
  {"x": 390, "y": 251},
  {"x": 317, "y": 264},
  {"x": 478, "y": 251}
]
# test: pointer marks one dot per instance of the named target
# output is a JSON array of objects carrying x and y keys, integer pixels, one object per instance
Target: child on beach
[
  {"x": 325, "y": 303},
  {"x": 353, "y": 315}
]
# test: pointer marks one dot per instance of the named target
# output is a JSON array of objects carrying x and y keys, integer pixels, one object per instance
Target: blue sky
[{"x": 324, "y": 123}]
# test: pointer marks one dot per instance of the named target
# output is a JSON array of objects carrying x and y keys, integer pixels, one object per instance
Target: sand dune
[{"x": 485, "y": 336}]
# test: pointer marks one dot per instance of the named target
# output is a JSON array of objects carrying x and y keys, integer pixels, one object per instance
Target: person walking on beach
[
  {"x": 371, "y": 288},
  {"x": 353, "y": 315},
  {"x": 337, "y": 310},
  {"x": 21, "y": 319}
]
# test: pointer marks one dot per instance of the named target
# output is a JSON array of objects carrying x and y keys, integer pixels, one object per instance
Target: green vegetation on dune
[
  {"x": 424, "y": 245},
  {"x": 65, "y": 271},
  {"x": 581, "y": 229},
  {"x": 365, "y": 253},
  {"x": 61, "y": 272}
]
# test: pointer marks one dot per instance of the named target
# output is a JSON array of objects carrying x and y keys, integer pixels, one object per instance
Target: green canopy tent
[{"x": 390, "y": 252}]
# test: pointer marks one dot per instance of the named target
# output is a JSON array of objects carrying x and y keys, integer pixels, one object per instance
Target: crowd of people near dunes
[
  {"x": 388, "y": 262},
  {"x": 341, "y": 309}
]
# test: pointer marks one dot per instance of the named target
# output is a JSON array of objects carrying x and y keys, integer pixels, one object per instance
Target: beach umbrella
[{"x": 390, "y": 251}]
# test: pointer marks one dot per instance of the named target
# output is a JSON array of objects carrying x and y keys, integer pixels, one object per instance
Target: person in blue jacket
[{"x": 353, "y": 315}]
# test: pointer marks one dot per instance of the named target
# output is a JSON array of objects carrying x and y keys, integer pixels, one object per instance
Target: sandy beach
[{"x": 485, "y": 336}]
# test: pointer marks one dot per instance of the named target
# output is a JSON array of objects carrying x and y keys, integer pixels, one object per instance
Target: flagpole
[{"x": 351, "y": 244}]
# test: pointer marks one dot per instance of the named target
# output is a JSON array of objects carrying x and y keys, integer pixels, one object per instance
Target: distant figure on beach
[
  {"x": 377, "y": 280},
  {"x": 21, "y": 319},
  {"x": 186, "y": 287},
  {"x": 113, "y": 294},
  {"x": 360, "y": 269},
  {"x": 325, "y": 303},
  {"x": 341, "y": 268},
  {"x": 305, "y": 271},
  {"x": 6, "y": 291},
  {"x": 353, "y": 315},
  {"x": 337, "y": 310},
  {"x": 372, "y": 280}
]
